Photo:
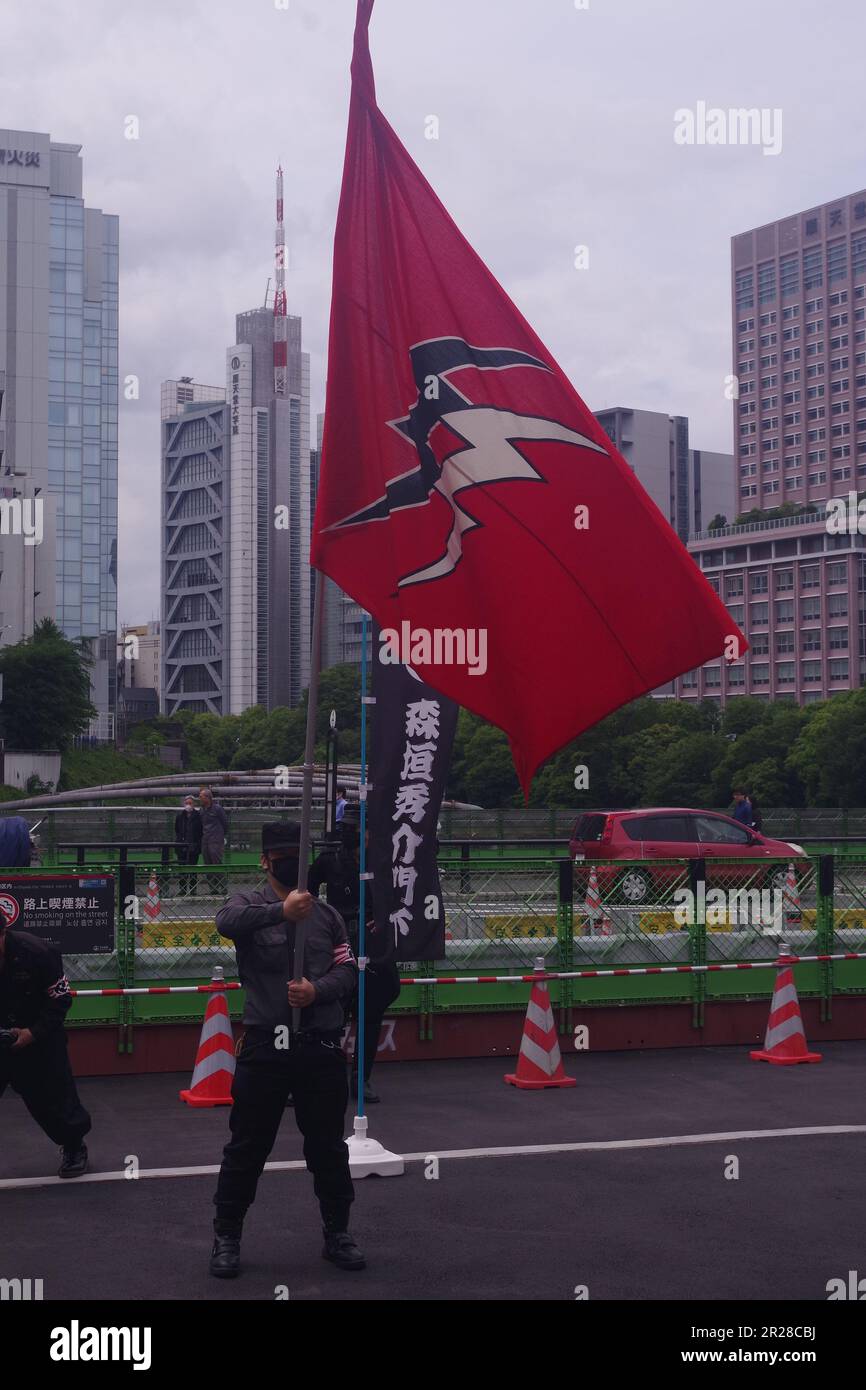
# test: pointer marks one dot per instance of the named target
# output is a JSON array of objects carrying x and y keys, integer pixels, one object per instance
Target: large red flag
[{"x": 468, "y": 499}]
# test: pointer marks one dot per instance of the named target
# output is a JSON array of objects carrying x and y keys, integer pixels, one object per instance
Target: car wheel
[{"x": 634, "y": 886}]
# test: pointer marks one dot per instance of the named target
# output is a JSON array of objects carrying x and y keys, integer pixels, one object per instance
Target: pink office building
[{"x": 797, "y": 590}]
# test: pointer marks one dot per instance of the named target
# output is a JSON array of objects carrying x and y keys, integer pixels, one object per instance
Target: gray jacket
[
  {"x": 265, "y": 943},
  {"x": 214, "y": 824}
]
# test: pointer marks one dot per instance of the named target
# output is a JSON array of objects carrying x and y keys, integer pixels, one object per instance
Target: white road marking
[{"x": 670, "y": 1141}]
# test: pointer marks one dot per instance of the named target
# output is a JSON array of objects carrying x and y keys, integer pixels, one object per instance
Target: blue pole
[{"x": 362, "y": 884}]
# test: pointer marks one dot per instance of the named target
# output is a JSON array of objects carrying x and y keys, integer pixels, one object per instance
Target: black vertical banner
[{"x": 410, "y": 751}]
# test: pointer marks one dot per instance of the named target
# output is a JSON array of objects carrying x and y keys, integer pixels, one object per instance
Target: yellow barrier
[
  {"x": 527, "y": 926},
  {"x": 657, "y": 923},
  {"x": 153, "y": 935}
]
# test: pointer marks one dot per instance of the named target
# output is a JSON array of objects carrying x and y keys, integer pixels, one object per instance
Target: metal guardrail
[{"x": 156, "y": 823}]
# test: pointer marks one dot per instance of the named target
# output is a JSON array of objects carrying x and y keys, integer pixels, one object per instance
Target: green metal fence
[
  {"x": 836, "y": 830},
  {"x": 503, "y": 911}
]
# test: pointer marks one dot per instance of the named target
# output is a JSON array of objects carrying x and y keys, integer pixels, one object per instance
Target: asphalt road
[{"x": 625, "y": 1222}]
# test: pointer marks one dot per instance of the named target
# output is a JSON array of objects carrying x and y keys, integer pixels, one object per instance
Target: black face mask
[{"x": 285, "y": 870}]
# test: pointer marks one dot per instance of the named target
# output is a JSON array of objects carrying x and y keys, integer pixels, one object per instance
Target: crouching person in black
[
  {"x": 273, "y": 1060},
  {"x": 34, "y": 1061}
]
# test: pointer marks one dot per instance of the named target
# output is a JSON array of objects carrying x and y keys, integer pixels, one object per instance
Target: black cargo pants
[
  {"x": 313, "y": 1072},
  {"x": 42, "y": 1077}
]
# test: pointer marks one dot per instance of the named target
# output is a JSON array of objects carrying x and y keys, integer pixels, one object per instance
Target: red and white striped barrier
[{"x": 510, "y": 979}]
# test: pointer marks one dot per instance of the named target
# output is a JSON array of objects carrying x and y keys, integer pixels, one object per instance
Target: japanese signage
[
  {"x": 27, "y": 159},
  {"x": 236, "y": 395},
  {"x": 73, "y": 913},
  {"x": 413, "y": 732}
]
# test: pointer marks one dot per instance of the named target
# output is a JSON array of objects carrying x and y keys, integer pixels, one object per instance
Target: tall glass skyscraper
[{"x": 58, "y": 365}]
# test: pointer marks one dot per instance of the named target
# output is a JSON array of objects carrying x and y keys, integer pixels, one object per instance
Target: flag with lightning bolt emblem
[{"x": 468, "y": 499}]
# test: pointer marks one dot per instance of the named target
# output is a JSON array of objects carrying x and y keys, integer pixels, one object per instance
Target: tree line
[{"x": 651, "y": 752}]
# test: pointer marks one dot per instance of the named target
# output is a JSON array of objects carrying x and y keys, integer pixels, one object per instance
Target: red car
[{"x": 664, "y": 832}]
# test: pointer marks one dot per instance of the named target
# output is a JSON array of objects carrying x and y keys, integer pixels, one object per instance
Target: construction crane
[{"x": 281, "y": 348}]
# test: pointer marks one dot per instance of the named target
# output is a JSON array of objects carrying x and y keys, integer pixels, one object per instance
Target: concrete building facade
[
  {"x": 138, "y": 654},
  {"x": 194, "y": 548},
  {"x": 689, "y": 486},
  {"x": 796, "y": 589}
]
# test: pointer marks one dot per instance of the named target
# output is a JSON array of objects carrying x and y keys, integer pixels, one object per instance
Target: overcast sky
[{"x": 555, "y": 129}]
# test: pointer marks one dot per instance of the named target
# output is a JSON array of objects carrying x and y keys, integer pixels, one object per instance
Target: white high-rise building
[{"x": 269, "y": 518}]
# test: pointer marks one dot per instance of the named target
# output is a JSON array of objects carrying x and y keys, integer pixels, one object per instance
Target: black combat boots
[
  {"x": 339, "y": 1246},
  {"x": 225, "y": 1260}
]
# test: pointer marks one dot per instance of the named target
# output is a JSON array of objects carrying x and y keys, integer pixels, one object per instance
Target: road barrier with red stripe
[{"x": 513, "y": 979}]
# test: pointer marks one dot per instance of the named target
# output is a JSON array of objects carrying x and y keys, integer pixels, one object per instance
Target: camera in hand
[{"x": 7, "y": 1037}]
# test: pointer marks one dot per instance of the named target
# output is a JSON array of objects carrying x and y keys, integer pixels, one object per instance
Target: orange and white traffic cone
[
  {"x": 215, "y": 1060},
  {"x": 599, "y": 922},
  {"x": 785, "y": 1043},
  {"x": 593, "y": 901},
  {"x": 540, "y": 1062},
  {"x": 152, "y": 905},
  {"x": 791, "y": 900}
]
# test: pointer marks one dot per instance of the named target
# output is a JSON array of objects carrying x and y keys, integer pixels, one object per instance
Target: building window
[
  {"x": 811, "y": 672},
  {"x": 837, "y": 262},
  {"x": 745, "y": 293},
  {"x": 759, "y": 614},
  {"x": 813, "y": 272},
  {"x": 760, "y": 673},
  {"x": 758, "y": 583},
  {"x": 767, "y": 283},
  {"x": 838, "y": 669}
]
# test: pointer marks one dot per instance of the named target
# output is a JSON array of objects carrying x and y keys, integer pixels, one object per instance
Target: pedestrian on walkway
[
  {"x": 187, "y": 842},
  {"x": 215, "y": 826}
]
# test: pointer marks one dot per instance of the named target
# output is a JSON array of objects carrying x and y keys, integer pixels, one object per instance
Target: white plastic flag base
[{"x": 367, "y": 1156}]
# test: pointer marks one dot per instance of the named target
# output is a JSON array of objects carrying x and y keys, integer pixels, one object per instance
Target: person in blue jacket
[{"x": 14, "y": 843}]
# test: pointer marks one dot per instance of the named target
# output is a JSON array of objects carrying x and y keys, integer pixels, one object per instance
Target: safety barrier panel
[{"x": 633, "y": 936}]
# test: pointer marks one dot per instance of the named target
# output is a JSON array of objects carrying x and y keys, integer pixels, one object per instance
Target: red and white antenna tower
[{"x": 281, "y": 348}]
